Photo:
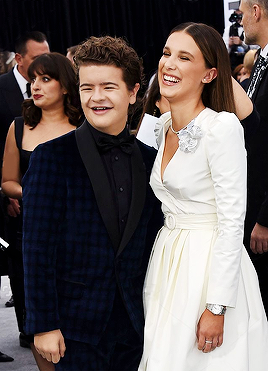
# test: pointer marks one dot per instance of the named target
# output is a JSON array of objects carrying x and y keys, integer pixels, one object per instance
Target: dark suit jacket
[
  {"x": 74, "y": 258},
  {"x": 258, "y": 160},
  {"x": 11, "y": 99}
]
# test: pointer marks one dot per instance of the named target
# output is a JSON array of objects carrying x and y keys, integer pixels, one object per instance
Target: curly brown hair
[{"x": 112, "y": 51}]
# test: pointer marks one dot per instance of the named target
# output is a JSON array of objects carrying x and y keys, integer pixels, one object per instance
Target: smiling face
[
  {"x": 47, "y": 92},
  {"x": 105, "y": 97},
  {"x": 182, "y": 72}
]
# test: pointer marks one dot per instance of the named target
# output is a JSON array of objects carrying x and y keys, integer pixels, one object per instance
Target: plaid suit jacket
[{"x": 73, "y": 256}]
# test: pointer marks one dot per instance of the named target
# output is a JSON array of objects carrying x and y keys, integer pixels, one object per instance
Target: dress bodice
[{"x": 193, "y": 181}]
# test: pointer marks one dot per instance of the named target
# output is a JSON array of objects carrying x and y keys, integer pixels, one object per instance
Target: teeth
[
  {"x": 99, "y": 108},
  {"x": 170, "y": 78}
]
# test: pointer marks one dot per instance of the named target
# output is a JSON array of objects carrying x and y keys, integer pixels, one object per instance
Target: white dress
[{"x": 198, "y": 256}]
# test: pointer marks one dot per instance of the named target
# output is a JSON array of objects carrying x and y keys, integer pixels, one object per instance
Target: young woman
[
  {"x": 202, "y": 302},
  {"x": 54, "y": 110}
]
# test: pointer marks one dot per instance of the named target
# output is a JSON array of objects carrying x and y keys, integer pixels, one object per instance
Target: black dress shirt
[{"x": 118, "y": 168}]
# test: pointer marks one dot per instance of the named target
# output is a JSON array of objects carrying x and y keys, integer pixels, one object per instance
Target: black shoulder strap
[{"x": 19, "y": 124}]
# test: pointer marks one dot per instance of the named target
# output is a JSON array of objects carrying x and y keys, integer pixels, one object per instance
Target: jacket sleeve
[
  {"x": 227, "y": 161},
  {"x": 43, "y": 206}
]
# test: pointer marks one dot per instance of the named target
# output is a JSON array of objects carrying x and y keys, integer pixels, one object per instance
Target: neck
[
  {"x": 53, "y": 116},
  {"x": 22, "y": 74},
  {"x": 183, "y": 114}
]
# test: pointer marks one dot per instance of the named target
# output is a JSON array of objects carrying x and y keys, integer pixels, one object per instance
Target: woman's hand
[
  {"x": 210, "y": 331},
  {"x": 13, "y": 208}
]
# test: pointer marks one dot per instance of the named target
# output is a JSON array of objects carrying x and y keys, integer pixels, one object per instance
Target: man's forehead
[{"x": 34, "y": 48}]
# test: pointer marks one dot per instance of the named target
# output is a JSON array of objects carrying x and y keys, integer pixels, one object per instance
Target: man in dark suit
[
  {"x": 255, "y": 23},
  {"x": 13, "y": 90},
  {"x": 90, "y": 218}
]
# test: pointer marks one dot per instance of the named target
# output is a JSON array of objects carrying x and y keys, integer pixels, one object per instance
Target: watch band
[{"x": 216, "y": 309}]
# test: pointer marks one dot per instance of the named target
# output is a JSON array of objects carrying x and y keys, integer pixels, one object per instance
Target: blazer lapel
[
  {"x": 99, "y": 180},
  {"x": 138, "y": 196}
]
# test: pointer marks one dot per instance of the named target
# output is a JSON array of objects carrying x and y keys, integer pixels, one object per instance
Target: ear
[
  {"x": 210, "y": 75},
  {"x": 257, "y": 11},
  {"x": 133, "y": 94},
  {"x": 18, "y": 58}
]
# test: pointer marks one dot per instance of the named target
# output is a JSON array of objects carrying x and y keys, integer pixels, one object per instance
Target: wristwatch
[{"x": 216, "y": 309}]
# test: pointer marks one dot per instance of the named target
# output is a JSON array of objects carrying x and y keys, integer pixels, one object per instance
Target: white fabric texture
[{"x": 198, "y": 256}]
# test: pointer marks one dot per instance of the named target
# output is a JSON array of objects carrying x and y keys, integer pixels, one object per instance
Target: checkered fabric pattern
[{"x": 71, "y": 271}]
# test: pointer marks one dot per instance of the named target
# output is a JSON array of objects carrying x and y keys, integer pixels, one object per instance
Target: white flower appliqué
[{"x": 189, "y": 137}]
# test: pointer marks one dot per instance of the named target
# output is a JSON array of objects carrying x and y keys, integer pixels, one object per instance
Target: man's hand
[
  {"x": 259, "y": 239},
  {"x": 50, "y": 345},
  {"x": 13, "y": 208},
  {"x": 236, "y": 40}
]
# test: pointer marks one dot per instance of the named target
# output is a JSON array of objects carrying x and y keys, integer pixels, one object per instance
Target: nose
[
  {"x": 169, "y": 63},
  {"x": 97, "y": 94},
  {"x": 35, "y": 85}
]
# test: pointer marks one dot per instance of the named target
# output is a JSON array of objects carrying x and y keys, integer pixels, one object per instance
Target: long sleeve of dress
[{"x": 227, "y": 162}]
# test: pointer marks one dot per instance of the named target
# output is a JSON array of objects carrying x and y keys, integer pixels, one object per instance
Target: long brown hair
[
  {"x": 58, "y": 67},
  {"x": 218, "y": 94}
]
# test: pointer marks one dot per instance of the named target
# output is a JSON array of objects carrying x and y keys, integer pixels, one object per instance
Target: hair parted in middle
[
  {"x": 218, "y": 94},
  {"x": 111, "y": 51}
]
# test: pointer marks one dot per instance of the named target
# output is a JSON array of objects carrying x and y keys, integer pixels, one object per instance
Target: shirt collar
[
  {"x": 97, "y": 134},
  {"x": 264, "y": 51},
  {"x": 21, "y": 81}
]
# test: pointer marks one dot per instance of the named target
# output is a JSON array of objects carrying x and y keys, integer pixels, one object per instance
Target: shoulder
[
  {"x": 222, "y": 131},
  {"x": 64, "y": 145},
  {"x": 219, "y": 122},
  {"x": 7, "y": 78}
]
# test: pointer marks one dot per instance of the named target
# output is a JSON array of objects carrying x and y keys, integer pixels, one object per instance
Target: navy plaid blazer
[{"x": 73, "y": 256}]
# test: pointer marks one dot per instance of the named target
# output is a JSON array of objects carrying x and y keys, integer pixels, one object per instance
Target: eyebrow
[
  {"x": 180, "y": 51},
  {"x": 102, "y": 84}
]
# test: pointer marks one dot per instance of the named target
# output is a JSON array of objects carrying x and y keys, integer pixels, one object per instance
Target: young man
[
  {"x": 90, "y": 219},
  {"x": 255, "y": 23}
]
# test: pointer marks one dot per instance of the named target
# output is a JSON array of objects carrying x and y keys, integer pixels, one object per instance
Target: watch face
[{"x": 217, "y": 309}]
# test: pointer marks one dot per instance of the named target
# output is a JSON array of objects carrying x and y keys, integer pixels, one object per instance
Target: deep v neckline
[
  {"x": 163, "y": 170},
  {"x": 169, "y": 126}
]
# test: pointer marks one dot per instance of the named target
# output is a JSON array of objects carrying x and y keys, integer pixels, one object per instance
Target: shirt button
[
  {"x": 116, "y": 158},
  {"x": 123, "y": 220},
  {"x": 121, "y": 189}
]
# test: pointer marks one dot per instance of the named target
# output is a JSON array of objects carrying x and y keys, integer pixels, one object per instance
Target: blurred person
[
  {"x": 14, "y": 88},
  {"x": 71, "y": 52},
  {"x": 203, "y": 308},
  {"x": 7, "y": 61},
  {"x": 234, "y": 39},
  {"x": 13, "y": 85},
  {"x": 248, "y": 63},
  {"x": 54, "y": 110},
  {"x": 154, "y": 105},
  {"x": 255, "y": 23},
  {"x": 238, "y": 72},
  {"x": 87, "y": 247},
  {"x": 4, "y": 357}
]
